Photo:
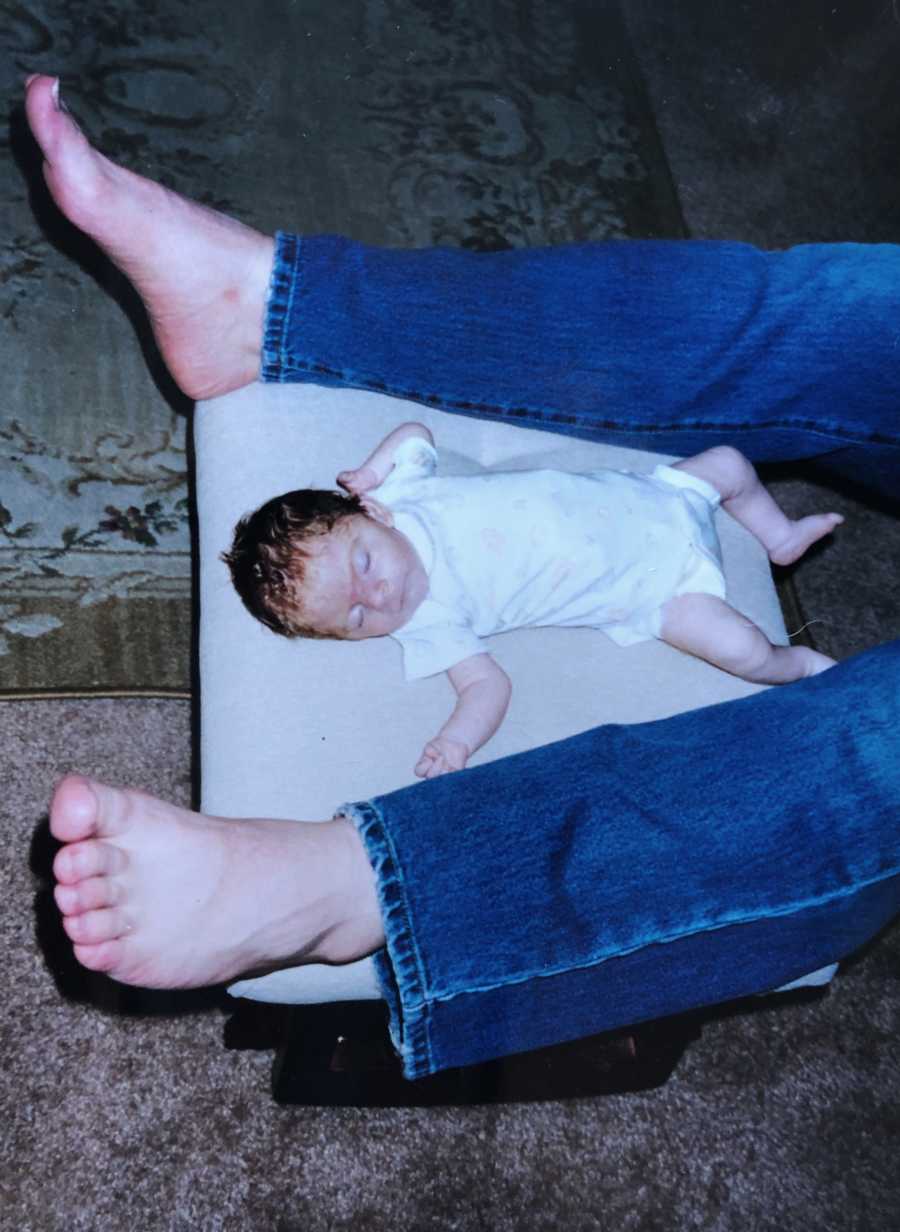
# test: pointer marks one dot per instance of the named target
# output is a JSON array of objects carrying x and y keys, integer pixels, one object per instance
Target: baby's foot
[
  {"x": 202, "y": 276},
  {"x": 810, "y": 662},
  {"x": 161, "y": 897},
  {"x": 802, "y": 535}
]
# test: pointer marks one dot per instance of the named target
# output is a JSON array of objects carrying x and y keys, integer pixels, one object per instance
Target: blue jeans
[
  {"x": 629, "y": 872},
  {"x": 669, "y": 346},
  {"x": 636, "y": 871}
]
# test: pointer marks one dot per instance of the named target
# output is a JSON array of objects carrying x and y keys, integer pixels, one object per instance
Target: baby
[{"x": 438, "y": 563}]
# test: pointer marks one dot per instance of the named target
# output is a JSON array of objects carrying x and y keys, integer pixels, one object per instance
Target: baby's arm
[
  {"x": 380, "y": 461},
  {"x": 482, "y": 696}
]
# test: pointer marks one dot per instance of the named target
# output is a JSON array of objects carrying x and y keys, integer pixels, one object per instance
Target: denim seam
[
  {"x": 400, "y": 942},
  {"x": 376, "y": 385},
  {"x": 283, "y": 283},
  {"x": 682, "y": 934}
]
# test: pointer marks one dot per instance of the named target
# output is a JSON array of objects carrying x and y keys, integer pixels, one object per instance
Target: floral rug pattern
[
  {"x": 111, "y": 523},
  {"x": 405, "y": 122}
]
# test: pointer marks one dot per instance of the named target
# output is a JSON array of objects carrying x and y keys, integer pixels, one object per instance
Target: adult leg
[
  {"x": 203, "y": 277},
  {"x": 620, "y": 875},
  {"x": 633, "y": 872},
  {"x": 669, "y": 346}
]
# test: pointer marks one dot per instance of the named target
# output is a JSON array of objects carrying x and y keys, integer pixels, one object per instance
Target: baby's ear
[{"x": 377, "y": 511}]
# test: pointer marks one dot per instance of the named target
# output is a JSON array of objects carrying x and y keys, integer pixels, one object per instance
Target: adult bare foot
[
  {"x": 202, "y": 276},
  {"x": 160, "y": 897}
]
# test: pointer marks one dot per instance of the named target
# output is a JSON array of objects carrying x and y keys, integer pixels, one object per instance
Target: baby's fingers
[
  {"x": 433, "y": 763},
  {"x": 440, "y": 765},
  {"x": 358, "y": 481},
  {"x": 424, "y": 764}
]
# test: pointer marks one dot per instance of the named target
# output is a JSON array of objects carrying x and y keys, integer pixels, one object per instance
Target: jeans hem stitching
[
  {"x": 711, "y": 926},
  {"x": 840, "y": 436},
  {"x": 400, "y": 943}
]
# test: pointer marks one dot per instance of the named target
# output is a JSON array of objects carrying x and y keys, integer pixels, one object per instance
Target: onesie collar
[{"x": 417, "y": 533}]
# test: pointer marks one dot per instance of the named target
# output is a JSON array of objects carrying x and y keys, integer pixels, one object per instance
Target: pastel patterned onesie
[{"x": 513, "y": 549}]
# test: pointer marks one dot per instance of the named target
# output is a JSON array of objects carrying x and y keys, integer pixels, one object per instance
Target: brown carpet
[{"x": 122, "y": 1111}]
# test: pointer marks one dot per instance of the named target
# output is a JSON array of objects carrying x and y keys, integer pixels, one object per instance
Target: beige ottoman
[{"x": 295, "y": 728}]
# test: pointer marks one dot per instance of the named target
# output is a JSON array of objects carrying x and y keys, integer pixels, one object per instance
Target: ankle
[{"x": 353, "y": 909}]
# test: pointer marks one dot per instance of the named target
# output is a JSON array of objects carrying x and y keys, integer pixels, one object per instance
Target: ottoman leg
[{"x": 338, "y": 1055}]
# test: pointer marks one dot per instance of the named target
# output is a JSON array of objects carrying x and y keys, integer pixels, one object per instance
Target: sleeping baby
[{"x": 441, "y": 562}]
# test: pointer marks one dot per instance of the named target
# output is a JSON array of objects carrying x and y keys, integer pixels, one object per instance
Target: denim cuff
[
  {"x": 398, "y": 964},
  {"x": 283, "y": 286}
]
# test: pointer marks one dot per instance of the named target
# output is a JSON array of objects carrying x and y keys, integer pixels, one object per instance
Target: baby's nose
[{"x": 378, "y": 592}]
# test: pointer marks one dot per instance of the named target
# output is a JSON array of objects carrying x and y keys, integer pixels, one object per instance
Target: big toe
[
  {"x": 74, "y": 811},
  {"x": 83, "y": 808},
  {"x": 50, "y": 125},
  {"x": 73, "y": 169}
]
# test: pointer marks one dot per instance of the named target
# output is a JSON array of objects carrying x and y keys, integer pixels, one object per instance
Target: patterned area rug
[{"x": 402, "y": 122}]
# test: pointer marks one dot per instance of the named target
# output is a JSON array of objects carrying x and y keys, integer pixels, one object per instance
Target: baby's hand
[
  {"x": 441, "y": 756},
  {"x": 363, "y": 479}
]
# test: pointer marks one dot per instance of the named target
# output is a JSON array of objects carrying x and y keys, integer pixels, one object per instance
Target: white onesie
[{"x": 507, "y": 550}]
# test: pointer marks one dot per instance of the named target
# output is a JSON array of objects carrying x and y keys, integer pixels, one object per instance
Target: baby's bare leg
[
  {"x": 748, "y": 502},
  {"x": 161, "y": 897},
  {"x": 709, "y": 628}
]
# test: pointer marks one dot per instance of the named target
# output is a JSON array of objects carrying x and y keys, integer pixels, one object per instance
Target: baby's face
[{"x": 365, "y": 579}]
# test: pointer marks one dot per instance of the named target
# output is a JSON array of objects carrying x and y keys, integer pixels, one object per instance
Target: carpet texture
[{"x": 122, "y": 1110}]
